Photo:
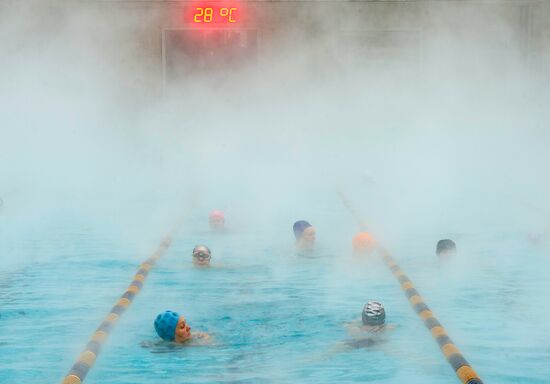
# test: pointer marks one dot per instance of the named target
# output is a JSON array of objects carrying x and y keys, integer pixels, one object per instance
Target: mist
[
  {"x": 445, "y": 135},
  {"x": 431, "y": 117}
]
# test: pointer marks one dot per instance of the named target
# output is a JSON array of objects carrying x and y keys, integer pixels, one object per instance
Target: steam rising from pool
[
  {"x": 452, "y": 138},
  {"x": 447, "y": 140}
]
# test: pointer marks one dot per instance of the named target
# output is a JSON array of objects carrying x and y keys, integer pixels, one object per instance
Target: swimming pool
[{"x": 275, "y": 317}]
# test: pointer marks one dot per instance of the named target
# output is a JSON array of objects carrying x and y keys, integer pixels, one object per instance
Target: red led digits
[{"x": 216, "y": 15}]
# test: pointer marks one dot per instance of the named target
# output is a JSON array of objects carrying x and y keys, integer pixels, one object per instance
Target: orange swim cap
[{"x": 363, "y": 242}]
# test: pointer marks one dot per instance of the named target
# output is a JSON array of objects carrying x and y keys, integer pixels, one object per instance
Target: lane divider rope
[
  {"x": 462, "y": 368},
  {"x": 87, "y": 358},
  {"x": 351, "y": 209}
]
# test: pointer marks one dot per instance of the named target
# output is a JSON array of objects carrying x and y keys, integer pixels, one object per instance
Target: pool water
[{"x": 276, "y": 317}]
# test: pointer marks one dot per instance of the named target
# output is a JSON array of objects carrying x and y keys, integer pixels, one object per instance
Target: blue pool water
[{"x": 275, "y": 318}]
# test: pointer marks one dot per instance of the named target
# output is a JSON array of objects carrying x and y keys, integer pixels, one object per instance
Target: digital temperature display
[
  {"x": 219, "y": 14},
  {"x": 215, "y": 15}
]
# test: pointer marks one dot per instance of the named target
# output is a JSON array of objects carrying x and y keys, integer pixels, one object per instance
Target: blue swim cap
[
  {"x": 165, "y": 325},
  {"x": 299, "y": 228}
]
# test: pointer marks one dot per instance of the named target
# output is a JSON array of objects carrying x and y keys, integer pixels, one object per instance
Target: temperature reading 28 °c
[{"x": 215, "y": 15}]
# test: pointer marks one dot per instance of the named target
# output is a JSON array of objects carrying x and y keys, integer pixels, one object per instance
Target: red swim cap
[{"x": 216, "y": 214}]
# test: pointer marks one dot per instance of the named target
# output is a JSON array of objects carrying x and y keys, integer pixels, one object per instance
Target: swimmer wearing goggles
[{"x": 201, "y": 256}]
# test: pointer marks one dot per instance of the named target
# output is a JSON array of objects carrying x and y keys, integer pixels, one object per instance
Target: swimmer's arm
[
  {"x": 353, "y": 327},
  {"x": 202, "y": 335},
  {"x": 202, "y": 338}
]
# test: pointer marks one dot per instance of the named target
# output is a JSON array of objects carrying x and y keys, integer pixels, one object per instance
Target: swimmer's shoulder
[
  {"x": 161, "y": 346},
  {"x": 353, "y": 326},
  {"x": 369, "y": 336},
  {"x": 359, "y": 327},
  {"x": 374, "y": 329}
]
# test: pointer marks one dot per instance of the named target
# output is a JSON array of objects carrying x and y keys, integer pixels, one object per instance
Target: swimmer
[
  {"x": 201, "y": 256},
  {"x": 172, "y": 327},
  {"x": 373, "y": 320},
  {"x": 216, "y": 220},
  {"x": 305, "y": 235},
  {"x": 372, "y": 328},
  {"x": 368, "y": 332},
  {"x": 445, "y": 248},
  {"x": 363, "y": 243}
]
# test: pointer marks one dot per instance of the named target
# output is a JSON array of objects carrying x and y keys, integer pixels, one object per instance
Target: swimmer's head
[
  {"x": 165, "y": 325},
  {"x": 445, "y": 247},
  {"x": 299, "y": 227},
  {"x": 373, "y": 313},
  {"x": 201, "y": 256},
  {"x": 363, "y": 243},
  {"x": 304, "y": 233},
  {"x": 170, "y": 326},
  {"x": 216, "y": 220}
]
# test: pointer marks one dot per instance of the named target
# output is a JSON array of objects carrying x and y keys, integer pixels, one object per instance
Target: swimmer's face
[
  {"x": 308, "y": 237},
  {"x": 183, "y": 331},
  {"x": 447, "y": 254},
  {"x": 363, "y": 249},
  {"x": 216, "y": 222},
  {"x": 201, "y": 256}
]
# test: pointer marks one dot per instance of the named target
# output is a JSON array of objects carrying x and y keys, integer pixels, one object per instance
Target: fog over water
[
  {"x": 457, "y": 143},
  {"x": 445, "y": 136}
]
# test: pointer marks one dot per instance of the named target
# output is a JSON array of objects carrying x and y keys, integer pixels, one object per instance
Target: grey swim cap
[{"x": 373, "y": 313}]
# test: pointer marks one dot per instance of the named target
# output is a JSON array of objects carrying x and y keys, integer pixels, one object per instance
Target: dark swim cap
[
  {"x": 373, "y": 313},
  {"x": 299, "y": 228},
  {"x": 445, "y": 245}
]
